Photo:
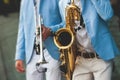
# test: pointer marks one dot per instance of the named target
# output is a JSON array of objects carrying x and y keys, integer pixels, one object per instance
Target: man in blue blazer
[
  {"x": 49, "y": 10},
  {"x": 96, "y": 47}
]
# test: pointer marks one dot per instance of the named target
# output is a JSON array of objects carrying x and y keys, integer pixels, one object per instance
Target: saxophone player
[
  {"x": 25, "y": 50},
  {"x": 96, "y": 47}
]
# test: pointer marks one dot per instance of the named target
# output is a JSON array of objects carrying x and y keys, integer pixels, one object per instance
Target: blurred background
[{"x": 9, "y": 17}]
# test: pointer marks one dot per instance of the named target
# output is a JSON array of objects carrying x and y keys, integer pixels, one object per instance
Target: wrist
[{"x": 51, "y": 32}]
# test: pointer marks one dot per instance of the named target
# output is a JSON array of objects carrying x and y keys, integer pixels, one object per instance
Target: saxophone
[{"x": 65, "y": 40}]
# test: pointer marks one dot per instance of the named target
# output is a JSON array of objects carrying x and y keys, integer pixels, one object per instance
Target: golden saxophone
[{"x": 65, "y": 40}]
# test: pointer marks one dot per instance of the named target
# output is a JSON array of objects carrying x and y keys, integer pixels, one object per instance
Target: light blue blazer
[
  {"x": 49, "y": 10},
  {"x": 96, "y": 14}
]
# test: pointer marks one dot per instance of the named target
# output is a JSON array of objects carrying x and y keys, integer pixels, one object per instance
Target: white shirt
[{"x": 83, "y": 39}]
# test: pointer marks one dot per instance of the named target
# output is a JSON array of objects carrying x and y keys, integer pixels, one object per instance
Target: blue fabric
[
  {"x": 26, "y": 33},
  {"x": 96, "y": 14}
]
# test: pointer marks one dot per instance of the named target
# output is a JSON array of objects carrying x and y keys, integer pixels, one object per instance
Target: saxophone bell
[{"x": 63, "y": 38}]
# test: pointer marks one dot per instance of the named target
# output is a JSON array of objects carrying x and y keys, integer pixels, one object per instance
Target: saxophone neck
[{"x": 72, "y": 1}]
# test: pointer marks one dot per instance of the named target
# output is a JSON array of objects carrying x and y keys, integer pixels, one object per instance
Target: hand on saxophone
[
  {"x": 19, "y": 66},
  {"x": 46, "y": 32}
]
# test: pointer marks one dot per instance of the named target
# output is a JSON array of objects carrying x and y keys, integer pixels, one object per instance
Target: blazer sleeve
[
  {"x": 62, "y": 24},
  {"x": 20, "y": 45},
  {"x": 103, "y": 8},
  {"x": 58, "y": 26}
]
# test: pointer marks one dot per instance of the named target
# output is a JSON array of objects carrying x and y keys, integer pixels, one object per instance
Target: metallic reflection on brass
[{"x": 65, "y": 40}]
